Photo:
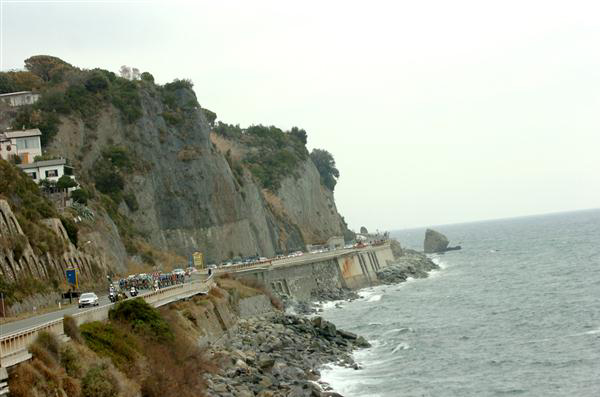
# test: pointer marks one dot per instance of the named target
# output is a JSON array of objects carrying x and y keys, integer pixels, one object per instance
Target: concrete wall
[
  {"x": 300, "y": 281},
  {"x": 348, "y": 269}
]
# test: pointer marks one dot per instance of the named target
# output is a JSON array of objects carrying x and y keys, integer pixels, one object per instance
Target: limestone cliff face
[{"x": 189, "y": 198}]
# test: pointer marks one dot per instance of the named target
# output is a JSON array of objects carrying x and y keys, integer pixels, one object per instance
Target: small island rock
[{"x": 435, "y": 242}]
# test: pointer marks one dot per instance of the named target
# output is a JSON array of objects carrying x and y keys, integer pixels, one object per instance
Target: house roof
[
  {"x": 44, "y": 163},
  {"x": 21, "y": 134},
  {"x": 15, "y": 93}
]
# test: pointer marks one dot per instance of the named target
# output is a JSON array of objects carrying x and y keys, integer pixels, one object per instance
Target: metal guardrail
[{"x": 15, "y": 345}]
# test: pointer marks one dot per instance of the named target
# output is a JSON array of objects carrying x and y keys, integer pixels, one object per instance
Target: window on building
[
  {"x": 28, "y": 143},
  {"x": 51, "y": 173},
  {"x": 33, "y": 175}
]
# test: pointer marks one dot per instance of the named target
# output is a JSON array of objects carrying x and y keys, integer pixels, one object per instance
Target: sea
[{"x": 516, "y": 312}]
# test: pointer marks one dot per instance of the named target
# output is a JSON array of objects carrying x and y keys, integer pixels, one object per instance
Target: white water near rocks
[{"x": 516, "y": 312}]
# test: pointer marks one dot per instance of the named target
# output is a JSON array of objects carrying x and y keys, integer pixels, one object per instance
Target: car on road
[
  {"x": 178, "y": 271},
  {"x": 88, "y": 299}
]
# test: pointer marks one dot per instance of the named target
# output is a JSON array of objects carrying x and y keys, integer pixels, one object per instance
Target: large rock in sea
[{"x": 435, "y": 242}]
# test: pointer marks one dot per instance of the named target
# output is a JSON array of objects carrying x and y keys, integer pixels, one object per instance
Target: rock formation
[{"x": 436, "y": 242}]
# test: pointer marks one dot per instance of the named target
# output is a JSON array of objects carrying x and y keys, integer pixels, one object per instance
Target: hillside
[{"x": 164, "y": 178}]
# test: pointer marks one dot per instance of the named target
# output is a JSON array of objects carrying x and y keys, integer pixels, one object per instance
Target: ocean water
[{"x": 515, "y": 312}]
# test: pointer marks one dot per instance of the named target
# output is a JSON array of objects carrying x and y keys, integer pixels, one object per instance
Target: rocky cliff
[{"x": 146, "y": 154}]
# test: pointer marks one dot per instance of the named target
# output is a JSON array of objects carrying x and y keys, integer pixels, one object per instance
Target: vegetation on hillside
[
  {"x": 67, "y": 90},
  {"x": 326, "y": 165},
  {"x": 272, "y": 154},
  {"x": 30, "y": 207}
]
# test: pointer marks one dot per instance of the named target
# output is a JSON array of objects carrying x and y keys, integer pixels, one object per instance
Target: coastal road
[{"x": 16, "y": 326}]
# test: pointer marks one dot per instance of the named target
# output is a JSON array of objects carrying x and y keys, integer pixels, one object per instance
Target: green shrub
[
  {"x": 65, "y": 182},
  {"x": 325, "y": 164},
  {"x": 118, "y": 157},
  {"x": 142, "y": 319},
  {"x": 30, "y": 117},
  {"x": 70, "y": 361},
  {"x": 70, "y": 228},
  {"x": 80, "y": 196},
  {"x": 179, "y": 84},
  {"x": 210, "y": 116},
  {"x": 273, "y": 154},
  {"x": 97, "y": 82},
  {"x": 53, "y": 100},
  {"x": 99, "y": 382},
  {"x": 88, "y": 105},
  {"x": 110, "y": 341},
  {"x": 131, "y": 201},
  {"x": 107, "y": 178},
  {"x": 125, "y": 97},
  {"x": 145, "y": 76}
]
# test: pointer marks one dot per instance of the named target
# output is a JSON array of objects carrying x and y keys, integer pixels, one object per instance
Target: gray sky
[{"x": 436, "y": 111}]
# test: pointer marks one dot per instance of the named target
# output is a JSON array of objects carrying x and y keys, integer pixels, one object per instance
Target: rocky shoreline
[
  {"x": 280, "y": 355},
  {"x": 411, "y": 264}
]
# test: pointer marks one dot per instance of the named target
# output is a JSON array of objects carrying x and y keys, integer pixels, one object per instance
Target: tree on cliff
[
  {"x": 300, "y": 134},
  {"x": 47, "y": 67},
  {"x": 326, "y": 165}
]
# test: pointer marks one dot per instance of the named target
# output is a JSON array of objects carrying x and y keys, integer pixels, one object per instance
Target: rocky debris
[
  {"x": 411, "y": 264},
  {"x": 335, "y": 295},
  {"x": 307, "y": 308},
  {"x": 280, "y": 355}
]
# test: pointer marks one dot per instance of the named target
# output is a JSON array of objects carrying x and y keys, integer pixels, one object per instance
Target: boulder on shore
[{"x": 436, "y": 242}]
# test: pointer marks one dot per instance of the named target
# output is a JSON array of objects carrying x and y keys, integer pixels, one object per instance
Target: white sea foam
[
  {"x": 401, "y": 346},
  {"x": 346, "y": 381},
  {"x": 438, "y": 261},
  {"x": 592, "y": 332},
  {"x": 374, "y": 298},
  {"x": 332, "y": 304},
  {"x": 398, "y": 331}
]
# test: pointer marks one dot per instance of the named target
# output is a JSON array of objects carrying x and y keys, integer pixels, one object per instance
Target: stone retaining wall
[{"x": 255, "y": 306}]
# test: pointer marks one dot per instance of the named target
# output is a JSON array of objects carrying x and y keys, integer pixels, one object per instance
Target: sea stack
[{"x": 436, "y": 242}]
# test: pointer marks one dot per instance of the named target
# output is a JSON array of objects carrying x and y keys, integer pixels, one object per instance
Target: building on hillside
[
  {"x": 24, "y": 144},
  {"x": 51, "y": 170},
  {"x": 19, "y": 98}
]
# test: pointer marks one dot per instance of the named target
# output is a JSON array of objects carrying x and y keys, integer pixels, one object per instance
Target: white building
[
  {"x": 19, "y": 98},
  {"x": 47, "y": 169},
  {"x": 24, "y": 144}
]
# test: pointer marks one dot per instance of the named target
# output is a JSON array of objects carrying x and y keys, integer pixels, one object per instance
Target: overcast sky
[{"x": 436, "y": 111}]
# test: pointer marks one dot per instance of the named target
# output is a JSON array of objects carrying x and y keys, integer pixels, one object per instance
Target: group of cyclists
[{"x": 134, "y": 283}]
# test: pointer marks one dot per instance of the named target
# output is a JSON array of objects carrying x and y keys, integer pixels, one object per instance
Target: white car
[
  {"x": 178, "y": 271},
  {"x": 88, "y": 299}
]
